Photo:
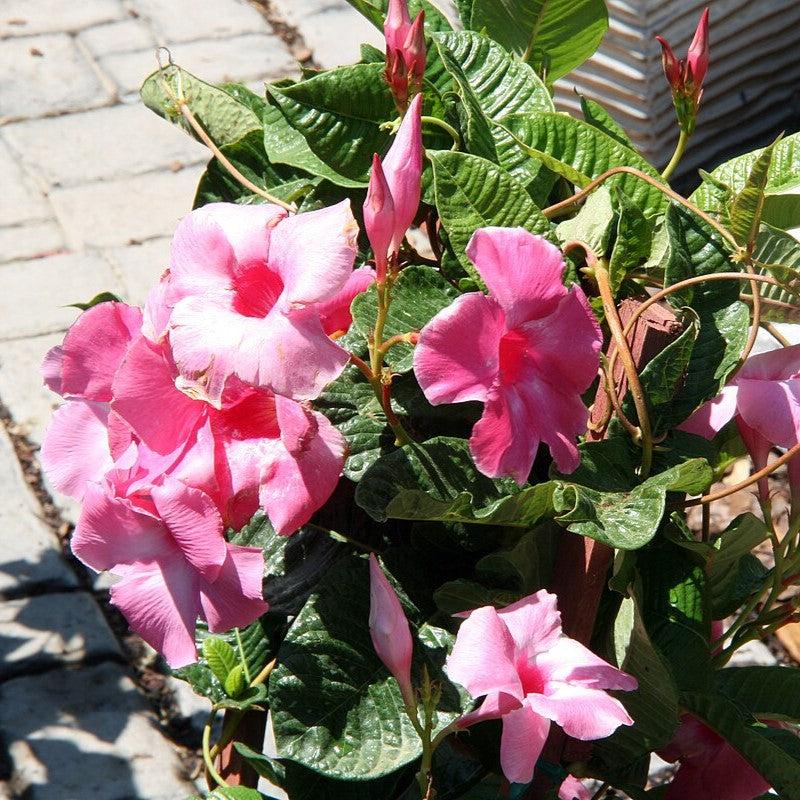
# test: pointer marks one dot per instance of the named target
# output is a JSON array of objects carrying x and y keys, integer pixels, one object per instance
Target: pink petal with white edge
[
  {"x": 521, "y": 743},
  {"x": 297, "y": 424},
  {"x": 573, "y": 789},
  {"x": 482, "y": 660},
  {"x": 314, "y": 253},
  {"x": 534, "y": 622},
  {"x": 583, "y": 713},
  {"x": 457, "y": 356},
  {"x": 161, "y": 603},
  {"x": 714, "y": 415},
  {"x": 502, "y": 441},
  {"x": 194, "y": 523},
  {"x": 51, "y": 369},
  {"x": 144, "y": 387},
  {"x": 295, "y": 485},
  {"x": 494, "y": 706},
  {"x": 772, "y": 408},
  {"x": 775, "y": 365},
  {"x": 335, "y": 313},
  {"x": 234, "y": 599},
  {"x": 110, "y": 532},
  {"x": 402, "y": 167},
  {"x": 94, "y": 347},
  {"x": 523, "y": 272},
  {"x": 75, "y": 449},
  {"x": 568, "y": 661}
]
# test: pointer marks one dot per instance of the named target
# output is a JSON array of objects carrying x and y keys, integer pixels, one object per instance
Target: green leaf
[
  {"x": 234, "y": 793},
  {"x": 221, "y": 657},
  {"x": 779, "y": 253},
  {"x": 773, "y": 753},
  {"x": 463, "y": 595},
  {"x": 558, "y": 35},
  {"x": 335, "y": 708},
  {"x": 339, "y": 113},
  {"x": 633, "y": 240},
  {"x": 375, "y": 12},
  {"x": 580, "y": 152},
  {"x": 654, "y": 705},
  {"x": 526, "y": 566},
  {"x": 599, "y": 118},
  {"x": 235, "y": 682},
  {"x": 266, "y": 767},
  {"x": 472, "y": 193},
  {"x": 224, "y": 118},
  {"x": 748, "y": 204},
  {"x": 766, "y": 692},
  {"x": 102, "y": 297},
  {"x": 494, "y": 83},
  {"x": 417, "y": 296},
  {"x": 592, "y": 225}
]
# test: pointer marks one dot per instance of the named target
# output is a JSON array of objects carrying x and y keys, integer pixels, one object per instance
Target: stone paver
[
  {"x": 188, "y": 20},
  {"x": 31, "y": 240},
  {"x": 139, "y": 266},
  {"x": 21, "y": 200},
  {"x": 46, "y": 75},
  {"x": 118, "y": 37},
  {"x": 117, "y": 212},
  {"x": 36, "y": 293},
  {"x": 79, "y": 734},
  {"x": 30, "y": 555},
  {"x": 116, "y": 142},
  {"x": 24, "y": 18},
  {"x": 52, "y": 630},
  {"x": 240, "y": 58}
]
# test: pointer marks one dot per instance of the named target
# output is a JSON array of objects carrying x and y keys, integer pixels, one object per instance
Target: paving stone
[
  {"x": 753, "y": 654},
  {"x": 36, "y": 293},
  {"x": 24, "y": 18},
  {"x": 240, "y": 58},
  {"x": 188, "y": 20},
  {"x": 117, "y": 37},
  {"x": 53, "y": 630},
  {"x": 86, "y": 733},
  {"x": 45, "y": 75},
  {"x": 32, "y": 240},
  {"x": 140, "y": 266},
  {"x": 20, "y": 200},
  {"x": 105, "y": 143},
  {"x": 332, "y": 29},
  {"x": 117, "y": 212},
  {"x": 30, "y": 554}
]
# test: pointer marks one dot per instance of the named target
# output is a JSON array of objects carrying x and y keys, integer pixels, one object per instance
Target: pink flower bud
[
  {"x": 397, "y": 24},
  {"x": 403, "y": 169},
  {"x": 414, "y": 53},
  {"x": 671, "y": 64},
  {"x": 397, "y": 77},
  {"x": 698, "y": 56},
  {"x": 389, "y": 629},
  {"x": 379, "y": 217}
]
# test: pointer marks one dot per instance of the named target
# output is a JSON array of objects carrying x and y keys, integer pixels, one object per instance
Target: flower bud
[
  {"x": 671, "y": 65},
  {"x": 389, "y": 630},
  {"x": 379, "y": 217},
  {"x": 414, "y": 54},
  {"x": 397, "y": 25},
  {"x": 698, "y": 56}
]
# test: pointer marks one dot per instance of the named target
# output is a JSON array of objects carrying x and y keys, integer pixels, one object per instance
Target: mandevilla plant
[{"x": 401, "y": 446}]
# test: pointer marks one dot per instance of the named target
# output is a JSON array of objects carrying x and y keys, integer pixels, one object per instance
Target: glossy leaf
[
  {"x": 375, "y": 12},
  {"x": 766, "y": 692},
  {"x": 748, "y": 204},
  {"x": 599, "y": 118}
]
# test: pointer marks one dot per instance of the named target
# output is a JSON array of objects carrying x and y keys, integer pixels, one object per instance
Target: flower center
[
  {"x": 531, "y": 677},
  {"x": 257, "y": 290},
  {"x": 512, "y": 356}
]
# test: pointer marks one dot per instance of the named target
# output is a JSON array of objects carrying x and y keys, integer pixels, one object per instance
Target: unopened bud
[{"x": 379, "y": 217}]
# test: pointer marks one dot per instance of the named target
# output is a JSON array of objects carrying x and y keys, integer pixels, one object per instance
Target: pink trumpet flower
[
  {"x": 174, "y": 564},
  {"x": 764, "y": 400},
  {"x": 405, "y": 52},
  {"x": 709, "y": 766},
  {"x": 389, "y": 630},
  {"x": 242, "y": 296},
  {"x": 508, "y": 351},
  {"x": 394, "y": 191},
  {"x": 531, "y": 675}
]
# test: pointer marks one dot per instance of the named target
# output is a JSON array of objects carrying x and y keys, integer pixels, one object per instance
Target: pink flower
[
  {"x": 389, "y": 630},
  {"x": 242, "y": 295},
  {"x": 405, "y": 52},
  {"x": 335, "y": 313},
  {"x": 395, "y": 186},
  {"x": 530, "y": 675},
  {"x": 764, "y": 399},
  {"x": 174, "y": 564},
  {"x": 573, "y": 789},
  {"x": 527, "y": 351},
  {"x": 709, "y": 766}
]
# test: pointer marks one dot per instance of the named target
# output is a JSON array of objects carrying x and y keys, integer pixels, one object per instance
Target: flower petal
[
  {"x": 194, "y": 523},
  {"x": 494, "y": 706},
  {"x": 534, "y": 622},
  {"x": 75, "y": 449},
  {"x": 161, "y": 603},
  {"x": 335, "y": 313},
  {"x": 780, "y": 364},
  {"x": 772, "y": 408},
  {"x": 51, "y": 369},
  {"x": 712, "y": 416},
  {"x": 314, "y": 253},
  {"x": 523, "y": 272},
  {"x": 583, "y": 713},
  {"x": 482, "y": 660},
  {"x": 234, "y": 599},
  {"x": 568, "y": 661},
  {"x": 457, "y": 356},
  {"x": 521, "y": 743}
]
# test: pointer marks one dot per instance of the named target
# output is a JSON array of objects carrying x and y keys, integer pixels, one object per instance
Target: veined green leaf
[
  {"x": 766, "y": 692},
  {"x": 221, "y": 657},
  {"x": 375, "y": 12},
  {"x": 777, "y": 254},
  {"x": 592, "y": 225},
  {"x": 599, "y": 118}
]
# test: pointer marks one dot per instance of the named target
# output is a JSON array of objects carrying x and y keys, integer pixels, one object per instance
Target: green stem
[
  {"x": 440, "y": 123},
  {"x": 209, "y": 761},
  {"x": 242, "y": 658},
  {"x": 680, "y": 149}
]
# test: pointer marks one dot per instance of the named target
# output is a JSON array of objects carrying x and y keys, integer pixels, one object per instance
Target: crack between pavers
[{"x": 289, "y": 34}]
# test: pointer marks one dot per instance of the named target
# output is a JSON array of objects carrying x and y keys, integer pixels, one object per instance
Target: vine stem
[
  {"x": 775, "y": 334},
  {"x": 440, "y": 123},
  {"x": 628, "y": 364},
  {"x": 680, "y": 149},
  {"x": 211, "y": 771}
]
